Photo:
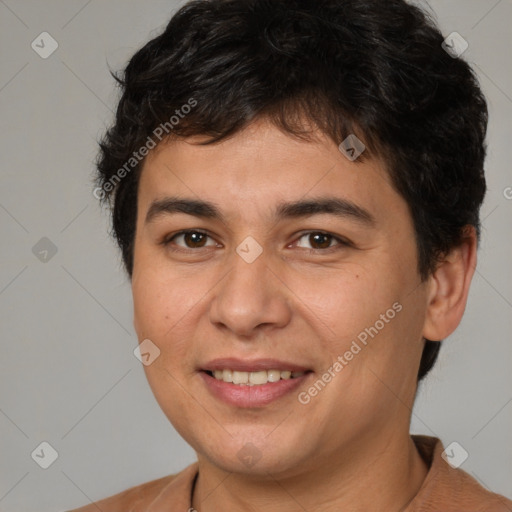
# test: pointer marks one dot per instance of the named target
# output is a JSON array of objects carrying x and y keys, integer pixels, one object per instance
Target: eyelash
[{"x": 166, "y": 242}]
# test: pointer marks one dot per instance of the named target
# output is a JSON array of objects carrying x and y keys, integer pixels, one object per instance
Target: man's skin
[{"x": 349, "y": 448}]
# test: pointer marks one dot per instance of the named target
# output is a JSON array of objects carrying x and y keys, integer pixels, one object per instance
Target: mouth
[
  {"x": 254, "y": 378},
  {"x": 252, "y": 384}
]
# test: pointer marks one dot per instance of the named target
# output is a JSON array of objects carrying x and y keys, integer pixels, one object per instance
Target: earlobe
[{"x": 449, "y": 288}]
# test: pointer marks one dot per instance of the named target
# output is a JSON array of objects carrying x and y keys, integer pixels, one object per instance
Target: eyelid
[
  {"x": 342, "y": 242},
  {"x": 166, "y": 241}
]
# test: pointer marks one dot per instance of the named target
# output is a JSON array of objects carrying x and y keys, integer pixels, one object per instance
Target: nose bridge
[{"x": 249, "y": 295}]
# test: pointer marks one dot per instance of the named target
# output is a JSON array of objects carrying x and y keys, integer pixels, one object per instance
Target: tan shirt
[{"x": 445, "y": 489}]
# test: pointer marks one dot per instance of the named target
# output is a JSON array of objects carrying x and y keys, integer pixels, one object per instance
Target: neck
[{"x": 394, "y": 472}]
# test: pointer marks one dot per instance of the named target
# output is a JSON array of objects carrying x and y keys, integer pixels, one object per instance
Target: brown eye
[
  {"x": 319, "y": 240},
  {"x": 322, "y": 240},
  {"x": 189, "y": 240},
  {"x": 194, "y": 239}
]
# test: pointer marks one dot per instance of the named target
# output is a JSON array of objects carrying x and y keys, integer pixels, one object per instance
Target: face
[{"x": 294, "y": 259}]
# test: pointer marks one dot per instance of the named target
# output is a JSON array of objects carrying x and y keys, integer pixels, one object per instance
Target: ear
[{"x": 449, "y": 288}]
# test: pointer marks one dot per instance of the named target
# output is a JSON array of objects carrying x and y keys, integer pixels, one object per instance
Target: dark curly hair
[{"x": 370, "y": 67}]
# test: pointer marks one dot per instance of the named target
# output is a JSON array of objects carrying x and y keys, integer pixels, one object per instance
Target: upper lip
[{"x": 255, "y": 365}]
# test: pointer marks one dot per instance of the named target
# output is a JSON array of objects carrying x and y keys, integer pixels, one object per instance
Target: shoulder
[
  {"x": 139, "y": 497},
  {"x": 126, "y": 500},
  {"x": 449, "y": 488}
]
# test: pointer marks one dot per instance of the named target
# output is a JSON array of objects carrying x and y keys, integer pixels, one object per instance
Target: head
[{"x": 230, "y": 125}]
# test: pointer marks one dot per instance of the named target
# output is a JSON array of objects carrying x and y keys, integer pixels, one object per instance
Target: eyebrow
[{"x": 339, "y": 207}]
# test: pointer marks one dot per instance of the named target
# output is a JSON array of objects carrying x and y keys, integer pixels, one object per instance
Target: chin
[{"x": 254, "y": 454}]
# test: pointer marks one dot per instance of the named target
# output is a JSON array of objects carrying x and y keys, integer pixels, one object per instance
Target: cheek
[
  {"x": 159, "y": 303},
  {"x": 150, "y": 307},
  {"x": 168, "y": 307},
  {"x": 163, "y": 310},
  {"x": 342, "y": 304}
]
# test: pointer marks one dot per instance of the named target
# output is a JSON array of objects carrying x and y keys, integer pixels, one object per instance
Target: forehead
[{"x": 261, "y": 167}]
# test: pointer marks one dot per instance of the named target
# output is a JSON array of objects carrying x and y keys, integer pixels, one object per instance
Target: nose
[{"x": 250, "y": 298}]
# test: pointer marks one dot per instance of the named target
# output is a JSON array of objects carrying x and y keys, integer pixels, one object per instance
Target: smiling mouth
[
  {"x": 252, "y": 383},
  {"x": 256, "y": 378}
]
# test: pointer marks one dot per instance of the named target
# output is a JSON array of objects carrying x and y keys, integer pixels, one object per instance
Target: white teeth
[
  {"x": 273, "y": 375},
  {"x": 255, "y": 378},
  {"x": 240, "y": 377},
  {"x": 258, "y": 377}
]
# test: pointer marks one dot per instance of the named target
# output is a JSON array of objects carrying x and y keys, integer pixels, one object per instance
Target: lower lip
[{"x": 241, "y": 395}]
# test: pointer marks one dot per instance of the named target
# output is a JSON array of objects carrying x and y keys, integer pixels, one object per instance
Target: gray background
[{"x": 68, "y": 375}]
